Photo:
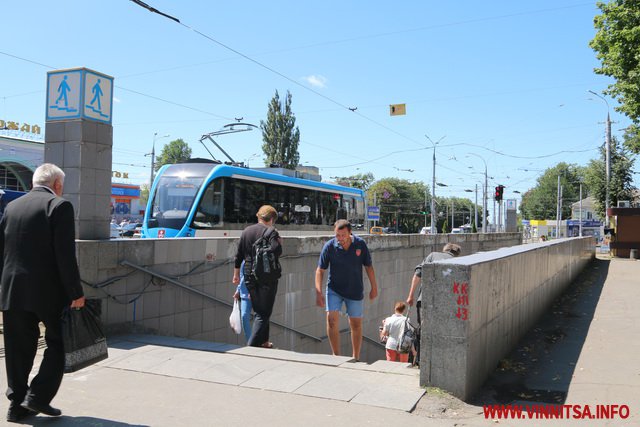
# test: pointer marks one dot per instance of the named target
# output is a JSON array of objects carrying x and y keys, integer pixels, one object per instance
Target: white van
[{"x": 425, "y": 230}]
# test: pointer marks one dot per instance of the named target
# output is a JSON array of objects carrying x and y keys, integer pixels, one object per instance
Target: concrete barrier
[
  {"x": 134, "y": 301},
  {"x": 477, "y": 307}
]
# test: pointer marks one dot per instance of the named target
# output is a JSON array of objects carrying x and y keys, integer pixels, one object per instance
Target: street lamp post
[
  {"x": 153, "y": 156},
  {"x": 607, "y": 150},
  {"x": 433, "y": 186},
  {"x": 484, "y": 196}
]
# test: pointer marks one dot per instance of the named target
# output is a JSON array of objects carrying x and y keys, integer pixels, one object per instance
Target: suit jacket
[{"x": 39, "y": 270}]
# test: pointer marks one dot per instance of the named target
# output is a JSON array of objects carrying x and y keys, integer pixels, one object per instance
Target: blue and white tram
[{"x": 212, "y": 199}]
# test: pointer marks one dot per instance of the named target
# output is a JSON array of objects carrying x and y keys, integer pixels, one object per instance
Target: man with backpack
[
  {"x": 345, "y": 255},
  {"x": 260, "y": 247}
]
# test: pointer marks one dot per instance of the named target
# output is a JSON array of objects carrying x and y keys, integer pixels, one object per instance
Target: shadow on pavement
[
  {"x": 540, "y": 368},
  {"x": 42, "y": 420}
]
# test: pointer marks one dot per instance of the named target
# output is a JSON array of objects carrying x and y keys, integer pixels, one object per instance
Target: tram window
[{"x": 209, "y": 211}]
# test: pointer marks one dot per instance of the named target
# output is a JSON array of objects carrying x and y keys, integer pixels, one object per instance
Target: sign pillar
[{"x": 79, "y": 139}]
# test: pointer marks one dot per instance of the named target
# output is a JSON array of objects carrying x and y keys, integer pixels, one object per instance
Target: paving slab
[
  {"x": 236, "y": 371},
  {"x": 293, "y": 356},
  {"x": 286, "y": 377},
  {"x": 338, "y": 384}
]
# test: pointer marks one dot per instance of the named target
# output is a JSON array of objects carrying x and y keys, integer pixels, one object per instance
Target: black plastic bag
[{"x": 83, "y": 336}]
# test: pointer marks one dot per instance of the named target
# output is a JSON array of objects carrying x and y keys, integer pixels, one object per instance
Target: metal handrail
[{"x": 208, "y": 296}]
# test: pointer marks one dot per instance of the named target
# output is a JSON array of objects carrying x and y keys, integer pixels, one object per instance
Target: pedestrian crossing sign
[{"x": 79, "y": 93}]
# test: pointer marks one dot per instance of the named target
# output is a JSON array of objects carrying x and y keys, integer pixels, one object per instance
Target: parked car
[
  {"x": 425, "y": 230},
  {"x": 128, "y": 230},
  {"x": 376, "y": 230},
  {"x": 116, "y": 231},
  {"x": 391, "y": 230}
]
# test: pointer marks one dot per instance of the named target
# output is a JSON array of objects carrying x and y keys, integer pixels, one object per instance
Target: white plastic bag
[{"x": 235, "y": 321}]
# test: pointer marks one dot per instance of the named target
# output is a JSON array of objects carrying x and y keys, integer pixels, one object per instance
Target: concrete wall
[
  {"x": 477, "y": 307},
  {"x": 133, "y": 301}
]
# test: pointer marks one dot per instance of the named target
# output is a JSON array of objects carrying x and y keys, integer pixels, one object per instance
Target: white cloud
[
  {"x": 316, "y": 80},
  {"x": 116, "y": 100}
]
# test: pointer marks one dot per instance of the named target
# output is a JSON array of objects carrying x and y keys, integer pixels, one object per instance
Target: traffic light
[{"x": 499, "y": 191}]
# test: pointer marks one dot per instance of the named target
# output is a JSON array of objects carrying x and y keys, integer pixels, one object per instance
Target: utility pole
[
  {"x": 433, "y": 186},
  {"x": 607, "y": 159},
  {"x": 153, "y": 158},
  {"x": 558, "y": 210},
  {"x": 580, "y": 226},
  {"x": 476, "y": 208},
  {"x": 425, "y": 206},
  {"x": 608, "y": 167}
]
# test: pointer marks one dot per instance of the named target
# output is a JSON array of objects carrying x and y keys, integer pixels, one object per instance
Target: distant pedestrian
[
  {"x": 449, "y": 250},
  {"x": 392, "y": 328},
  {"x": 38, "y": 278},
  {"x": 263, "y": 295},
  {"x": 345, "y": 255}
]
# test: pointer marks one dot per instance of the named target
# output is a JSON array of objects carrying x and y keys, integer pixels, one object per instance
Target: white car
[
  {"x": 116, "y": 231},
  {"x": 425, "y": 230}
]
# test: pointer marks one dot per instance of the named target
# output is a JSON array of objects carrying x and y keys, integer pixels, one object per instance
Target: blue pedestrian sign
[
  {"x": 373, "y": 213},
  {"x": 79, "y": 93}
]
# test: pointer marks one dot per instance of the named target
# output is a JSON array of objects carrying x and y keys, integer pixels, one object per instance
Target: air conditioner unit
[{"x": 624, "y": 204}]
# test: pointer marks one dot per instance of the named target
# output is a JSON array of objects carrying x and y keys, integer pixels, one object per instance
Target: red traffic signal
[{"x": 499, "y": 192}]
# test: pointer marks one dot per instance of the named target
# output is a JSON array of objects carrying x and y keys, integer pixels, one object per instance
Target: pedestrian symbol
[
  {"x": 63, "y": 89},
  {"x": 97, "y": 94},
  {"x": 63, "y": 98},
  {"x": 79, "y": 93}
]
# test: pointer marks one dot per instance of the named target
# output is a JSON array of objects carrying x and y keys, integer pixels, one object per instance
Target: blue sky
[{"x": 504, "y": 80}]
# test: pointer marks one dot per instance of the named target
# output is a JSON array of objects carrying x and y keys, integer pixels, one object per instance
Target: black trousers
[
  {"x": 263, "y": 296},
  {"x": 21, "y": 334},
  {"x": 417, "y": 341}
]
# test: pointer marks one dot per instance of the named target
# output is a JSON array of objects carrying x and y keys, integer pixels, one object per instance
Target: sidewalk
[{"x": 161, "y": 381}]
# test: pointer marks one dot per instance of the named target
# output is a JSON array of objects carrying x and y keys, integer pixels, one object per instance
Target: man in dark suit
[{"x": 38, "y": 277}]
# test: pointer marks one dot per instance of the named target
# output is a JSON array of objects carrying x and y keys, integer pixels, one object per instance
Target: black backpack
[
  {"x": 266, "y": 267},
  {"x": 408, "y": 335}
]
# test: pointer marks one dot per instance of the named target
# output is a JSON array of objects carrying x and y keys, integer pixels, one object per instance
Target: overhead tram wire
[
  {"x": 276, "y": 72},
  {"x": 125, "y": 89}
]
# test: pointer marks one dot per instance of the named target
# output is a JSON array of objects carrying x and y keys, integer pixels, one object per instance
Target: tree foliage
[
  {"x": 362, "y": 180},
  {"x": 280, "y": 134},
  {"x": 540, "y": 202},
  {"x": 400, "y": 201},
  {"x": 617, "y": 46},
  {"x": 174, "y": 152},
  {"x": 621, "y": 178},
  {"x": 632, "y": 138}
]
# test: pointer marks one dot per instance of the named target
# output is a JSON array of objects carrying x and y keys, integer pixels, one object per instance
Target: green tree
[
  {"x": 621, "y": 177},
  {"x": 144, "y": 194},
  {"x": 617, "y": 46},
  {"x": 541, "y": 201},
  {"x": 280, "y": 134},
  {"x": 400, "y": 201},
  {"x": 362, "y": 180},
  {"x": 445, "y": 226},
  {"x": 632, "y": 138},
  {"x": 174, "y": 152}
]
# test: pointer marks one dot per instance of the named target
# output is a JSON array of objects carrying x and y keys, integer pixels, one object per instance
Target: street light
[
  {"x": 153, "y": 156},
  {"x": 433, "y": 185},
  {"x": 484, "y": 193},
  {"x": 607, "y": 150},
  {"x": 475, "y": 206}
]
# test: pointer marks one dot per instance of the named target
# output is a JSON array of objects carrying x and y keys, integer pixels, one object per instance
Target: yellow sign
[
  {"x": 398, "y": 109},
  {"x": 117, "y": 174},
  {"x": 4, "y": 125}
]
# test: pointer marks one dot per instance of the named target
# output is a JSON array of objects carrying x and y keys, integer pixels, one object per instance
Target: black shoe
[
  {"x": 41, "y": 408},
  {"x": 17, "y": 413}
]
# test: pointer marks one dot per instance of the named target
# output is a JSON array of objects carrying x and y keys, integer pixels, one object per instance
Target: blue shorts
[{"x": 334, "y": 303}]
